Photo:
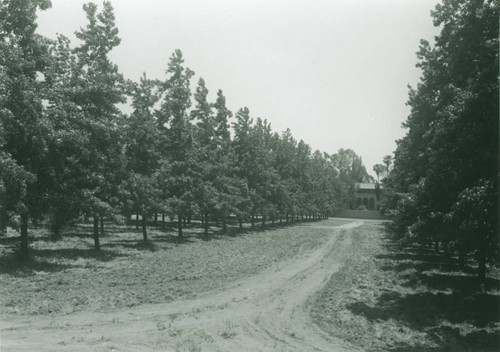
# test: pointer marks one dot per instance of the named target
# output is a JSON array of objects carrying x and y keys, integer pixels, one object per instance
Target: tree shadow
[
  {"x": 427, "y": 309},
  {"x": 145, "y": 245},
  {"x": 74, "y": 234},
  {"x": 10, "y": 241},
  {"x": 14, "y": 265},
  {"x": 449, "y": 303},
  {"x": 134, "y": 244},
  {"x": 171, "y": 239},
  {"x": 77, "y": 253},
  {"x": 423, "y": 262}
]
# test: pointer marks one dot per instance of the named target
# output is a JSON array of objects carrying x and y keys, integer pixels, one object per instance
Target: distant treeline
[
  {"x": 443, "y": 187},
  {"x": 67, "y": 151}
]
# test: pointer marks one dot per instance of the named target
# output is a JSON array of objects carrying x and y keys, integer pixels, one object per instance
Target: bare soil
[{"x": 334, "y": 285}]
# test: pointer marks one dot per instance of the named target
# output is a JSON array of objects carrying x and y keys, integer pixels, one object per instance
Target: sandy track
[{"x": 267, "y": 312}]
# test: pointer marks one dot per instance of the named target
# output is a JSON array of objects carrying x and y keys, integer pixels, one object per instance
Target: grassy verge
[
  {"x": 69, "y": 275},
  {"x": 389, "y": 299}
]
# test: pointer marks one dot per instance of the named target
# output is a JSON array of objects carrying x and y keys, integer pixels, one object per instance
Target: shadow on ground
[
  {"x": 42, "y": 260},
  {"x": 15, "y": 266},
  {"x": 457, "y": 311}
]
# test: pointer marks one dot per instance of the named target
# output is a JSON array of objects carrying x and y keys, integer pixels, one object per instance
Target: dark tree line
[
  {"x": 67, "y": 151},
  {"x": 443, "y": 187}
]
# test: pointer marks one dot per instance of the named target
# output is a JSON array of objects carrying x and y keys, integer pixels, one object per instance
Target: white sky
[{"x": 333, "y": 71}]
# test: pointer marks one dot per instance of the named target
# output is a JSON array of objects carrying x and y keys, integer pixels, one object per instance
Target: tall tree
[
  {"x": 379, "y": 170},
  {"x": 142, "y": 194},
  {"x": 98, "y": 88},
  {"x": 206, "y": 152},
  {"x": 245, "y": 154},
  {"x": 387, "y": 160},
  {"x": 285, "y": 147},
  {"x": 231, "y": 190},
  {"x": 24, "y": 56},
  {"x": 351, "y": 170},
  {"x": 66, "y": 162},
  {"x": 265, "y": 176},
  {"x": 179, "y": 169},
  {"x": 447, "y": 164}
]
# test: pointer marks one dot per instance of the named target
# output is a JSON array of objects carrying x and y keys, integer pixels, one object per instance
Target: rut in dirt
[{"x": 268, "y": 312}]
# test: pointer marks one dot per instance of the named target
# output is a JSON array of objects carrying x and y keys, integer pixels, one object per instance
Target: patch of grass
[
  {"x": 187, "y": 345},
  {"x": 228, "y": 330},
  {"x": 391, "y": 299},
  {"x": 69, "y": 275}
]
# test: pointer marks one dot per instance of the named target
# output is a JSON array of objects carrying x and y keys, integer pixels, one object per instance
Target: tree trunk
[
  {"x": 436, "y": 246},
  {"x": 97, "y": 245},
  {"x": 55, "y": 227},
  {"x": 156, "y": 218},
  {"x": 241, "y": 223},
  {"x": 253, "y": 221},
  {"x": 102, "y": 226},
  {"x": 137, "y": 221},
  {"x": 206, "y": 223},
  {"x": 481, "y": 271},
  {"x": 24, "y": 236},
  {"x": 482, "y": 268},
  {"x": 144, "y": 230},
  {"x": 163, "y": 221},
  {"x": 179, "y": 226},
  {"x": 224, "y": 224},
  {"x": 461, "y": 259}
]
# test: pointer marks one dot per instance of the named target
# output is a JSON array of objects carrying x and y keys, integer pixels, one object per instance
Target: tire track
[{"x": 268, "y": 312}]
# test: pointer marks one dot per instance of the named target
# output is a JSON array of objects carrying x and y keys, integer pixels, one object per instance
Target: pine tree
[
  {"x": 443, "y": 186},
  {"x": 141, "y": 193},
  {"x": 178, "y": 170},
  {"x": 98, "y": 89}
]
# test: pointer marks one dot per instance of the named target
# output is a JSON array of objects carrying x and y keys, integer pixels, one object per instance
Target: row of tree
[
  {"x": 443, "y": 187},
  {"x": 68, "y": 151}
]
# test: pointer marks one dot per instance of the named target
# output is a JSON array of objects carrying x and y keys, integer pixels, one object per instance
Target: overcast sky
[{"x": 334, "y": 72}]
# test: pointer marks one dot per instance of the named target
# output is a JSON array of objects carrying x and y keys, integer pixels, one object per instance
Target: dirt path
[{"x": 265, "y": 313}]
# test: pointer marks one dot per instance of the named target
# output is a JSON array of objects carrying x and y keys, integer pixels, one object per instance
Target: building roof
[{"x": 363, "y": 186}]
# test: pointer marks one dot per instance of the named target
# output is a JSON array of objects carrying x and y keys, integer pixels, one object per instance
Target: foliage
[
  {"x": 441, "y": 188},
  {"x": 67, "y": 151},
  {"x": 24, "y": 131}
]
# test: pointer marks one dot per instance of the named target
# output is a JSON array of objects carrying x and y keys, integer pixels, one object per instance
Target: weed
[
  {"x": 187, "y": 346},
  {"x": 161, "y": 325},
  {"x": 227, "y": 331}
]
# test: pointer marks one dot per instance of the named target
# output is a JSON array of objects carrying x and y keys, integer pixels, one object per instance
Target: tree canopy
[
  {"x": 443, "y": 187},
  {"x": 67, "y": 151}
]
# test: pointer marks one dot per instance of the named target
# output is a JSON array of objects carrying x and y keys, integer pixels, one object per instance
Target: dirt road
[{"x": 265, "y": 313}]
